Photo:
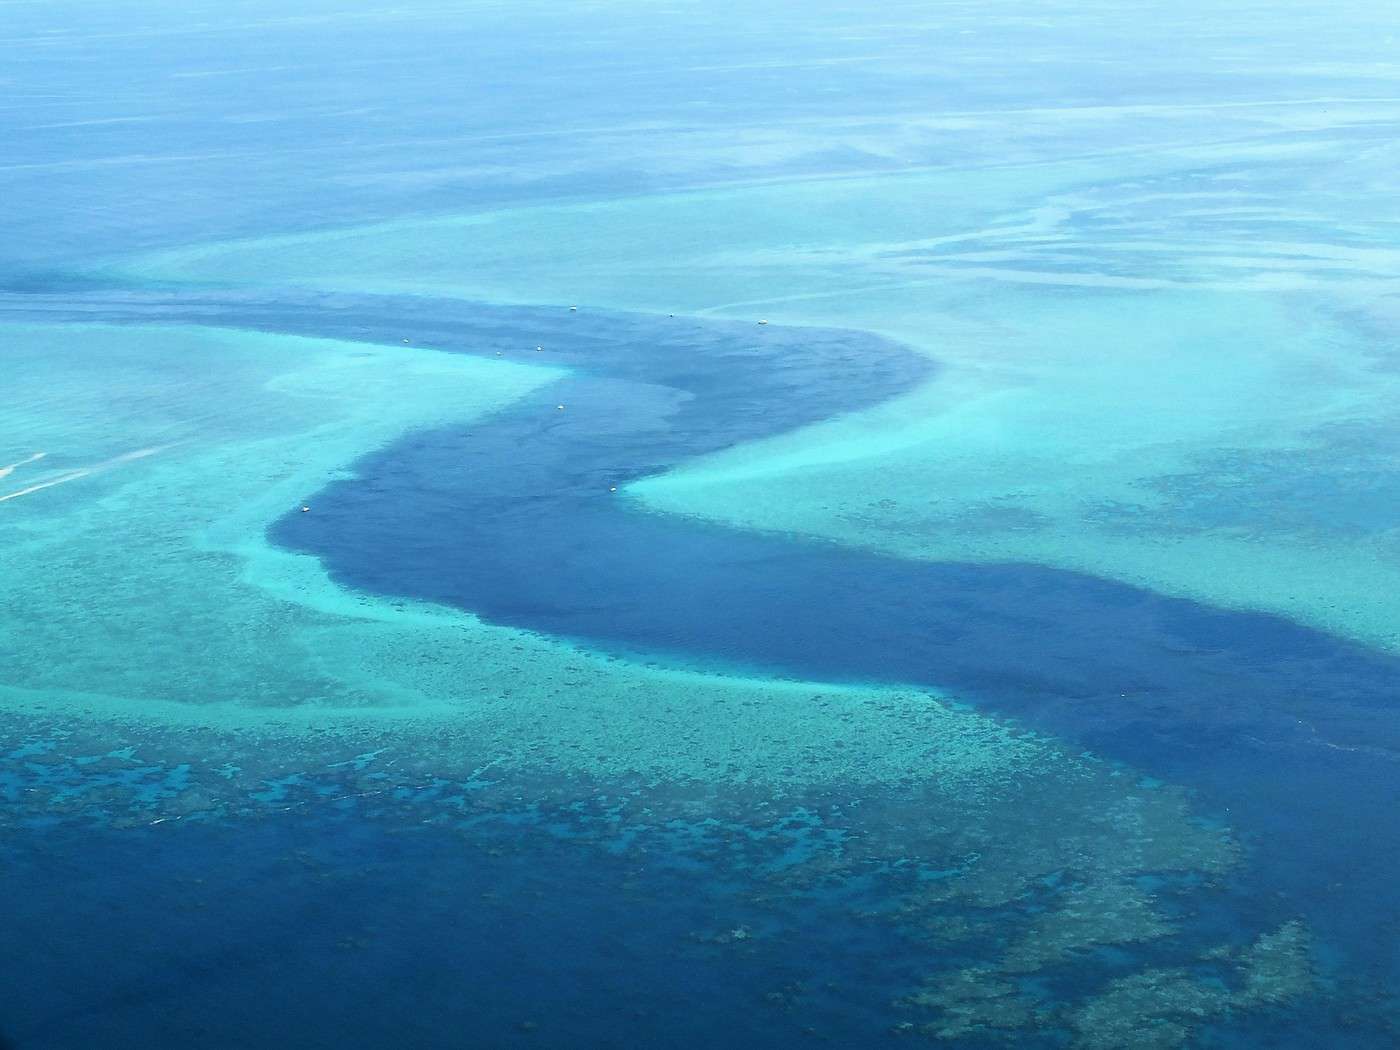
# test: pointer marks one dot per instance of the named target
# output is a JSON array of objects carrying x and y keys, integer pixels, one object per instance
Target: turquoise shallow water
[{"x": 995, "y": 648}]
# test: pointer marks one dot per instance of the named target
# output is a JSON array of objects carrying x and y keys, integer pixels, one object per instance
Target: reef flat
[{"x": 258, "y": 688}]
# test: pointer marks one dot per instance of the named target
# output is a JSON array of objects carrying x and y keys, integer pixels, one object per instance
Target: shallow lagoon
[{"x": 1077, "y": 377}]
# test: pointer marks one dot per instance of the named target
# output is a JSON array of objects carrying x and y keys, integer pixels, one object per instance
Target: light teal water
[
  {"x": 1151, "y": 254},
  {"x": 1215, "y": 363}
]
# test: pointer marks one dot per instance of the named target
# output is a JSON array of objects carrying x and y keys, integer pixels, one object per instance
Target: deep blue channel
[{"x": 1287, "y": 733}]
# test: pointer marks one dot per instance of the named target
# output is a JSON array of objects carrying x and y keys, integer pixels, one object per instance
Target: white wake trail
[
  {"x": 81, "y": 472},
  {"x": 7, "y": 471}
]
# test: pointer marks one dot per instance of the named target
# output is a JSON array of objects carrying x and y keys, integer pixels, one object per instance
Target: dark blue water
[
  {"x": 1288, "y": 732},
  {"x": 326, "y": 930},
  {"x": 388, "y": 932}
]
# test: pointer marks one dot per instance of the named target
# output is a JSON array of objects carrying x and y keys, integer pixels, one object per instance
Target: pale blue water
[{"x": 996, "y": 648}]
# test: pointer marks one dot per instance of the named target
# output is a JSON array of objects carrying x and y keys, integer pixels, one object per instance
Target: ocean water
[{"x": 600, "y": 524}]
